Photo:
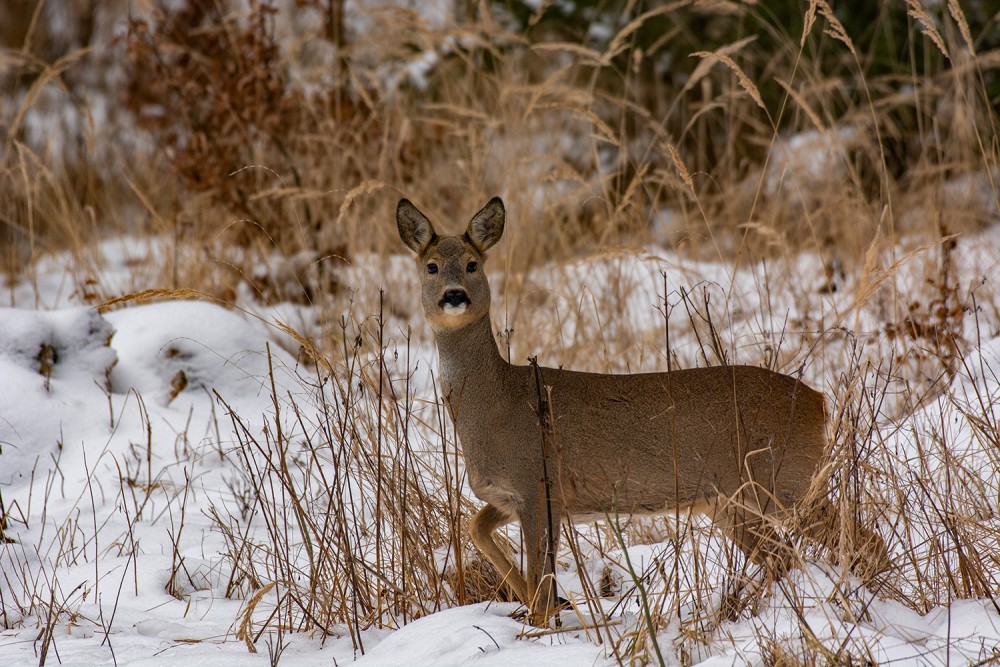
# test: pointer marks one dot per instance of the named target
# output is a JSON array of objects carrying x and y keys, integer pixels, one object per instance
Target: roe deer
[{"x": 740, "y": 442}]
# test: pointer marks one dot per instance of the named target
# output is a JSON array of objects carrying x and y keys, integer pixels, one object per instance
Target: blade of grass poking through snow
[{"x": 640, "y": 587}]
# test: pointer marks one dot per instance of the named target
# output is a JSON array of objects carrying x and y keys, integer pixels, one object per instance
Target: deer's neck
[{"x": 469, "y": 356}]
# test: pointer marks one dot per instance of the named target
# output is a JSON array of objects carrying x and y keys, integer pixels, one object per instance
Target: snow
[
  {"x": 116, "y": 446},
  {"x": 213, "y": 347},
  {"x": 801, "y": 161},
  {"x": 35, "y": 408},
  {"x": 482, "y": 634}
]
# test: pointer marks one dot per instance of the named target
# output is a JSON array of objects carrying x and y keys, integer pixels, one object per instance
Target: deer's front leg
[{"x": 540, "y": 529}]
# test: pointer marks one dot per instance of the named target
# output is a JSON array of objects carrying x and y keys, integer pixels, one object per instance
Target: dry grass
[
  {"x": 244, "y": 137},
  {"x": 268, "y": 182}
]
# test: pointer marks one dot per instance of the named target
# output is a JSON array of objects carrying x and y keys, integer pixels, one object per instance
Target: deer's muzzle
[{"x": 454, "y": 300}]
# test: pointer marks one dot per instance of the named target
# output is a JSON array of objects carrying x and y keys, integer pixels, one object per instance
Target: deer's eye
[
  {"x": 471, "y": 267},
  {"x": 432, "y": 268}
]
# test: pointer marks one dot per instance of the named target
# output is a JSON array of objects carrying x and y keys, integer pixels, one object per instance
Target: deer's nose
[{"x": 455, "y": 298}]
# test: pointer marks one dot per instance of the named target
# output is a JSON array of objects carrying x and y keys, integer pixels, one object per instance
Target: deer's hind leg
[
  {"x": 748, "y": 526},
  {"x": 481, "y": 529},
  {"x": 742, "y": 519},
  {"x": 860, "y": 548}
]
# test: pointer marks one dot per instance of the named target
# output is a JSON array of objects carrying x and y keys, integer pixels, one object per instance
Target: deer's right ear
[{"x": 414, "y": 228}]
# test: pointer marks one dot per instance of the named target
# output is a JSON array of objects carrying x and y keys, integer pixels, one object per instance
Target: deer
[{"x": 543, "y": 446}]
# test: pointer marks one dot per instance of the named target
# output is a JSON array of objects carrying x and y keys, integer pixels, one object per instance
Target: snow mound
[
  {"x": 482, "y": 634},
  {"x": 53, "y": 364},
  {"x": 71, "y": 374},
  {"x": 166, "y": 348},
  {"x": 65, "y": 345}
]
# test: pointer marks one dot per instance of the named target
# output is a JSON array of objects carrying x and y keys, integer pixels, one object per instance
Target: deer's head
[{"x": 455, "y": 292}]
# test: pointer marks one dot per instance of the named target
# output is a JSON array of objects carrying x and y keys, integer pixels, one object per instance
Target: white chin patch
[{"x": 455, "y": 310}]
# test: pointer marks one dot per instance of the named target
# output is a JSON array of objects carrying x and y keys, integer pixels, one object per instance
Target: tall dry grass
[{"x": 290, "y": 130}]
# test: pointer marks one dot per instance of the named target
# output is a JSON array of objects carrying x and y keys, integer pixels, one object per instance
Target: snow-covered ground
[{"x": 117, "y": 451}]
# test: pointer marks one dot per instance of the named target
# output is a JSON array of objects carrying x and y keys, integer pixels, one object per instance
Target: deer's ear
[
  {"x": 486, "y": 227},
  {"x": 414, "y": 228}
]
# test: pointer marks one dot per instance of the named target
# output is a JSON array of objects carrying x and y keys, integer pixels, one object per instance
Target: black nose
[{"x": 455, "y": 297}]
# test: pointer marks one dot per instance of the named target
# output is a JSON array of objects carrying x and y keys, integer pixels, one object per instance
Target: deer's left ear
[{"x": 486, "y": 227}]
